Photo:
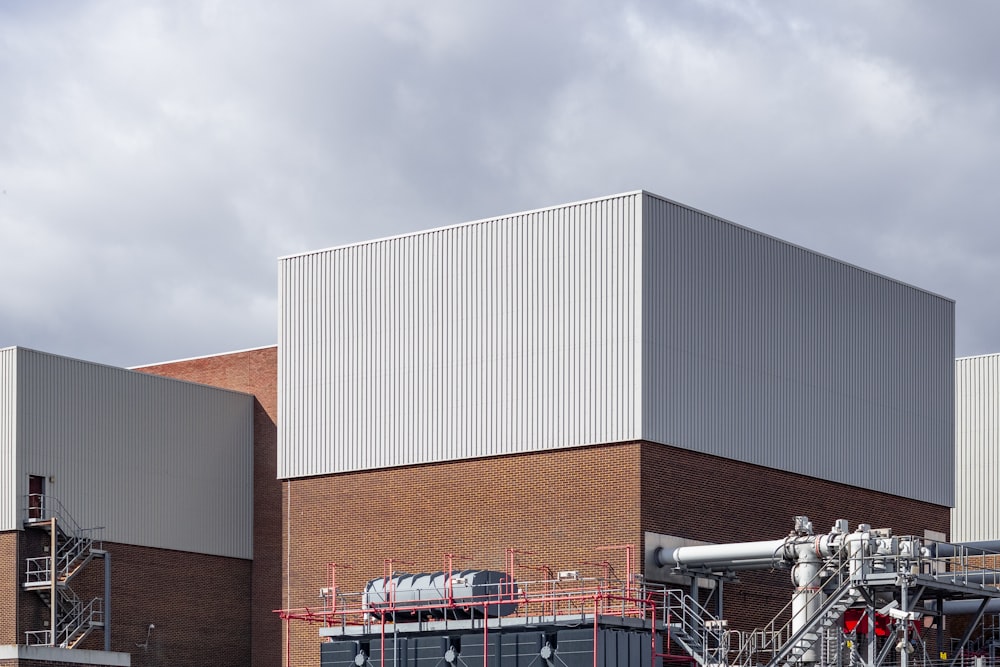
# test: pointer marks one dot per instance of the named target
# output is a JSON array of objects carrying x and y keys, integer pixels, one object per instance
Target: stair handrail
[
  {"x": 37, "y": 569},
  {"x": 47, "y": 507},
  {"x": 772, "y": 637},
  {"x": 697, "y": 622},
  {"x": 37, "y": 637},
  {"x": 794, "y": 641},
  {"x": 78, "y": 548},
  {"x": 75, "y": 547},
  {"x": 80, "y": 617}
]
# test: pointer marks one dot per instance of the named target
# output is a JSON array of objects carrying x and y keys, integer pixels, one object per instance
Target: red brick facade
[
  {"x": 561, "y": 505},
  {"x": 9, "y": 587},
  {"x": 253, "y": 372},
  {"x": 708, "y": 498},
  {"x": 199, "y": 604}
]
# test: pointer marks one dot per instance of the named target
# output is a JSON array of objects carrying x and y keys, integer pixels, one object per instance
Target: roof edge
[
  {"x": 203, "y": 356},
  {"x": 469, "y": 223}
]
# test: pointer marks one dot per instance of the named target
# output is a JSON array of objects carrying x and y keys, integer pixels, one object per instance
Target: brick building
[
  {"x": 140, "y": 489},
  {"x": 599, "y": 374}
]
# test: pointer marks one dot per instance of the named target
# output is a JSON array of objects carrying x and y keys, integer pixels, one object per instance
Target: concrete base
[{"x": 52, "y": 654}]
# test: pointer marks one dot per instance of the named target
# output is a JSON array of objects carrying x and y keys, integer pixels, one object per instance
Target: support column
[
  {"x": 107, "y": 601},
  {"x": 53, "y": 579}
]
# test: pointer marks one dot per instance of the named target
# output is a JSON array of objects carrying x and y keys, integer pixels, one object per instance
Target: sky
[{"x": 156, "y": 158}]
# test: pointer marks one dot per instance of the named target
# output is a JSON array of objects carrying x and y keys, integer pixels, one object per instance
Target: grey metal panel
[
  {"x": 977, "y": 448},
  {"x": 157, "y": 462},
  {"x": 578, "y": 325},
  {"x": 761, "y": 351},
  {"x": 8, "y": 439},
  {"x": 506, "y": 335}
]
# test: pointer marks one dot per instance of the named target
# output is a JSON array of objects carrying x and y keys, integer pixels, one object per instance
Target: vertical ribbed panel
[
  {"x": 615, "y": 319},
  {"x": 8, "y": 439},
  {"x": 977, "y": 449},
  {"x": 157, "y": 462},
  {"x": 760, "y": 351},
  {"x": 506, "y": 335}
]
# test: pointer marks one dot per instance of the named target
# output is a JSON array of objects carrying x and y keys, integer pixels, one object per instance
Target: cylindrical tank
[{"x": 472, "y": 593}]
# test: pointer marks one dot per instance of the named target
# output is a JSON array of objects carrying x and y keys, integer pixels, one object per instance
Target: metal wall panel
[
  {"x": 761, "y": 351},
  {"x": 580, "y": 324},
  {"x": 8, "y": 439},
  {"x": 977, "y": 449},
  {"x": 506, "y": 335},
  {"x": 157, "y": 462}
]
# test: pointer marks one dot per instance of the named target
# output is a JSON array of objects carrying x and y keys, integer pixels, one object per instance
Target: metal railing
[
  {"x": 75, "y": 546},
  {"x": 703, "y": 636},
  {"x": 48, "y": 507},
  {"x": 79, "y": 620},
  {"x": 762, "y": 644}
]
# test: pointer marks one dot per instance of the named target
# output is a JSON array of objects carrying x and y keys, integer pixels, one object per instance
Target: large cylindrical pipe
[
  {"x": 808, "y": 597},
  {"x": 944, "y": 550},
  {"x": 959, "y": 607},
  {"x": 720, "y": 554}
]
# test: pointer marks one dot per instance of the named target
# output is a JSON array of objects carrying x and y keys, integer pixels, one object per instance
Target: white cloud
[{"x": 158, "y": 157}]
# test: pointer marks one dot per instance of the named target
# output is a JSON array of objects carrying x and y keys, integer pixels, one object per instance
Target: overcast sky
[{"x": 157, "y": 158}]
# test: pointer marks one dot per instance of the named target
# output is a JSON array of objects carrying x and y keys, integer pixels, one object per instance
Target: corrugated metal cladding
[
  {"x": 506, "y": 335},
  {"x": 8, "y": 439},
  {"x": 764, "y": 352},
  {"x": 157, "y": 462},
  {"x": 630, "y": 317},
  {"x": 977, "y": 443}
]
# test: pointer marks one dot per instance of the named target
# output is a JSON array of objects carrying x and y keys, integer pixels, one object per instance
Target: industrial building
[
  {"x": 126, "y": 523},
  {"x": 581, "y": 382},
  {"x": 559, "y": 400}
]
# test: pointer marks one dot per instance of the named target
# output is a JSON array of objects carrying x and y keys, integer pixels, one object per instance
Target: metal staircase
[
  {"x": 832, "y": 610},
  {"x": 70, "y": 548},
  {"x": 776, "y": 644},
  {"x": 695, "y": 630}
]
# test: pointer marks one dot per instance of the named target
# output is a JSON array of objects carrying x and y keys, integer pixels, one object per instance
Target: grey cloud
[{"x": 159, "y": 157}]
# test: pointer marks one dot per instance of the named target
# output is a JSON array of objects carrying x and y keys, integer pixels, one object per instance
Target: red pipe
[
  {"x": 597, "y": 598},
  {"x": 288, "y": 642},
  {"x": 486, "y": 643},
  {"x": 628, "y": 564}
]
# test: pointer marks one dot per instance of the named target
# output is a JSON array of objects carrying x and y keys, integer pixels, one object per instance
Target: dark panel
[
  {"x": 575, "y": 648},
  {"x": 529, "y": 647},
  {"x": 472, "y": 650},
  {"x": 395, "y": 652},
  {"x": 427, "y": 651},
  {"x": 338, "y": 653}
]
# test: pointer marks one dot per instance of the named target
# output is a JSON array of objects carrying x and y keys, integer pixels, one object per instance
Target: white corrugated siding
[
  {"x": 977, "y": 449},
  {"x": 764, "y": 352},
  {"x": 507, "y": 335},
  {"x": 157, "y": 462},
  {"x": 9, "y": 491},
  {"x": 579, "y": 324}
]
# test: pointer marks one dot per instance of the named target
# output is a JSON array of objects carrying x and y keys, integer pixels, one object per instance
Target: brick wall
[
  {"x": 708, "y": 498},
  {"x": 253, "y": 372},
  {"x": 9, "y": 586},
  {"x": 561, "y": 505},
  {"x": 198, "y": 603}
]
